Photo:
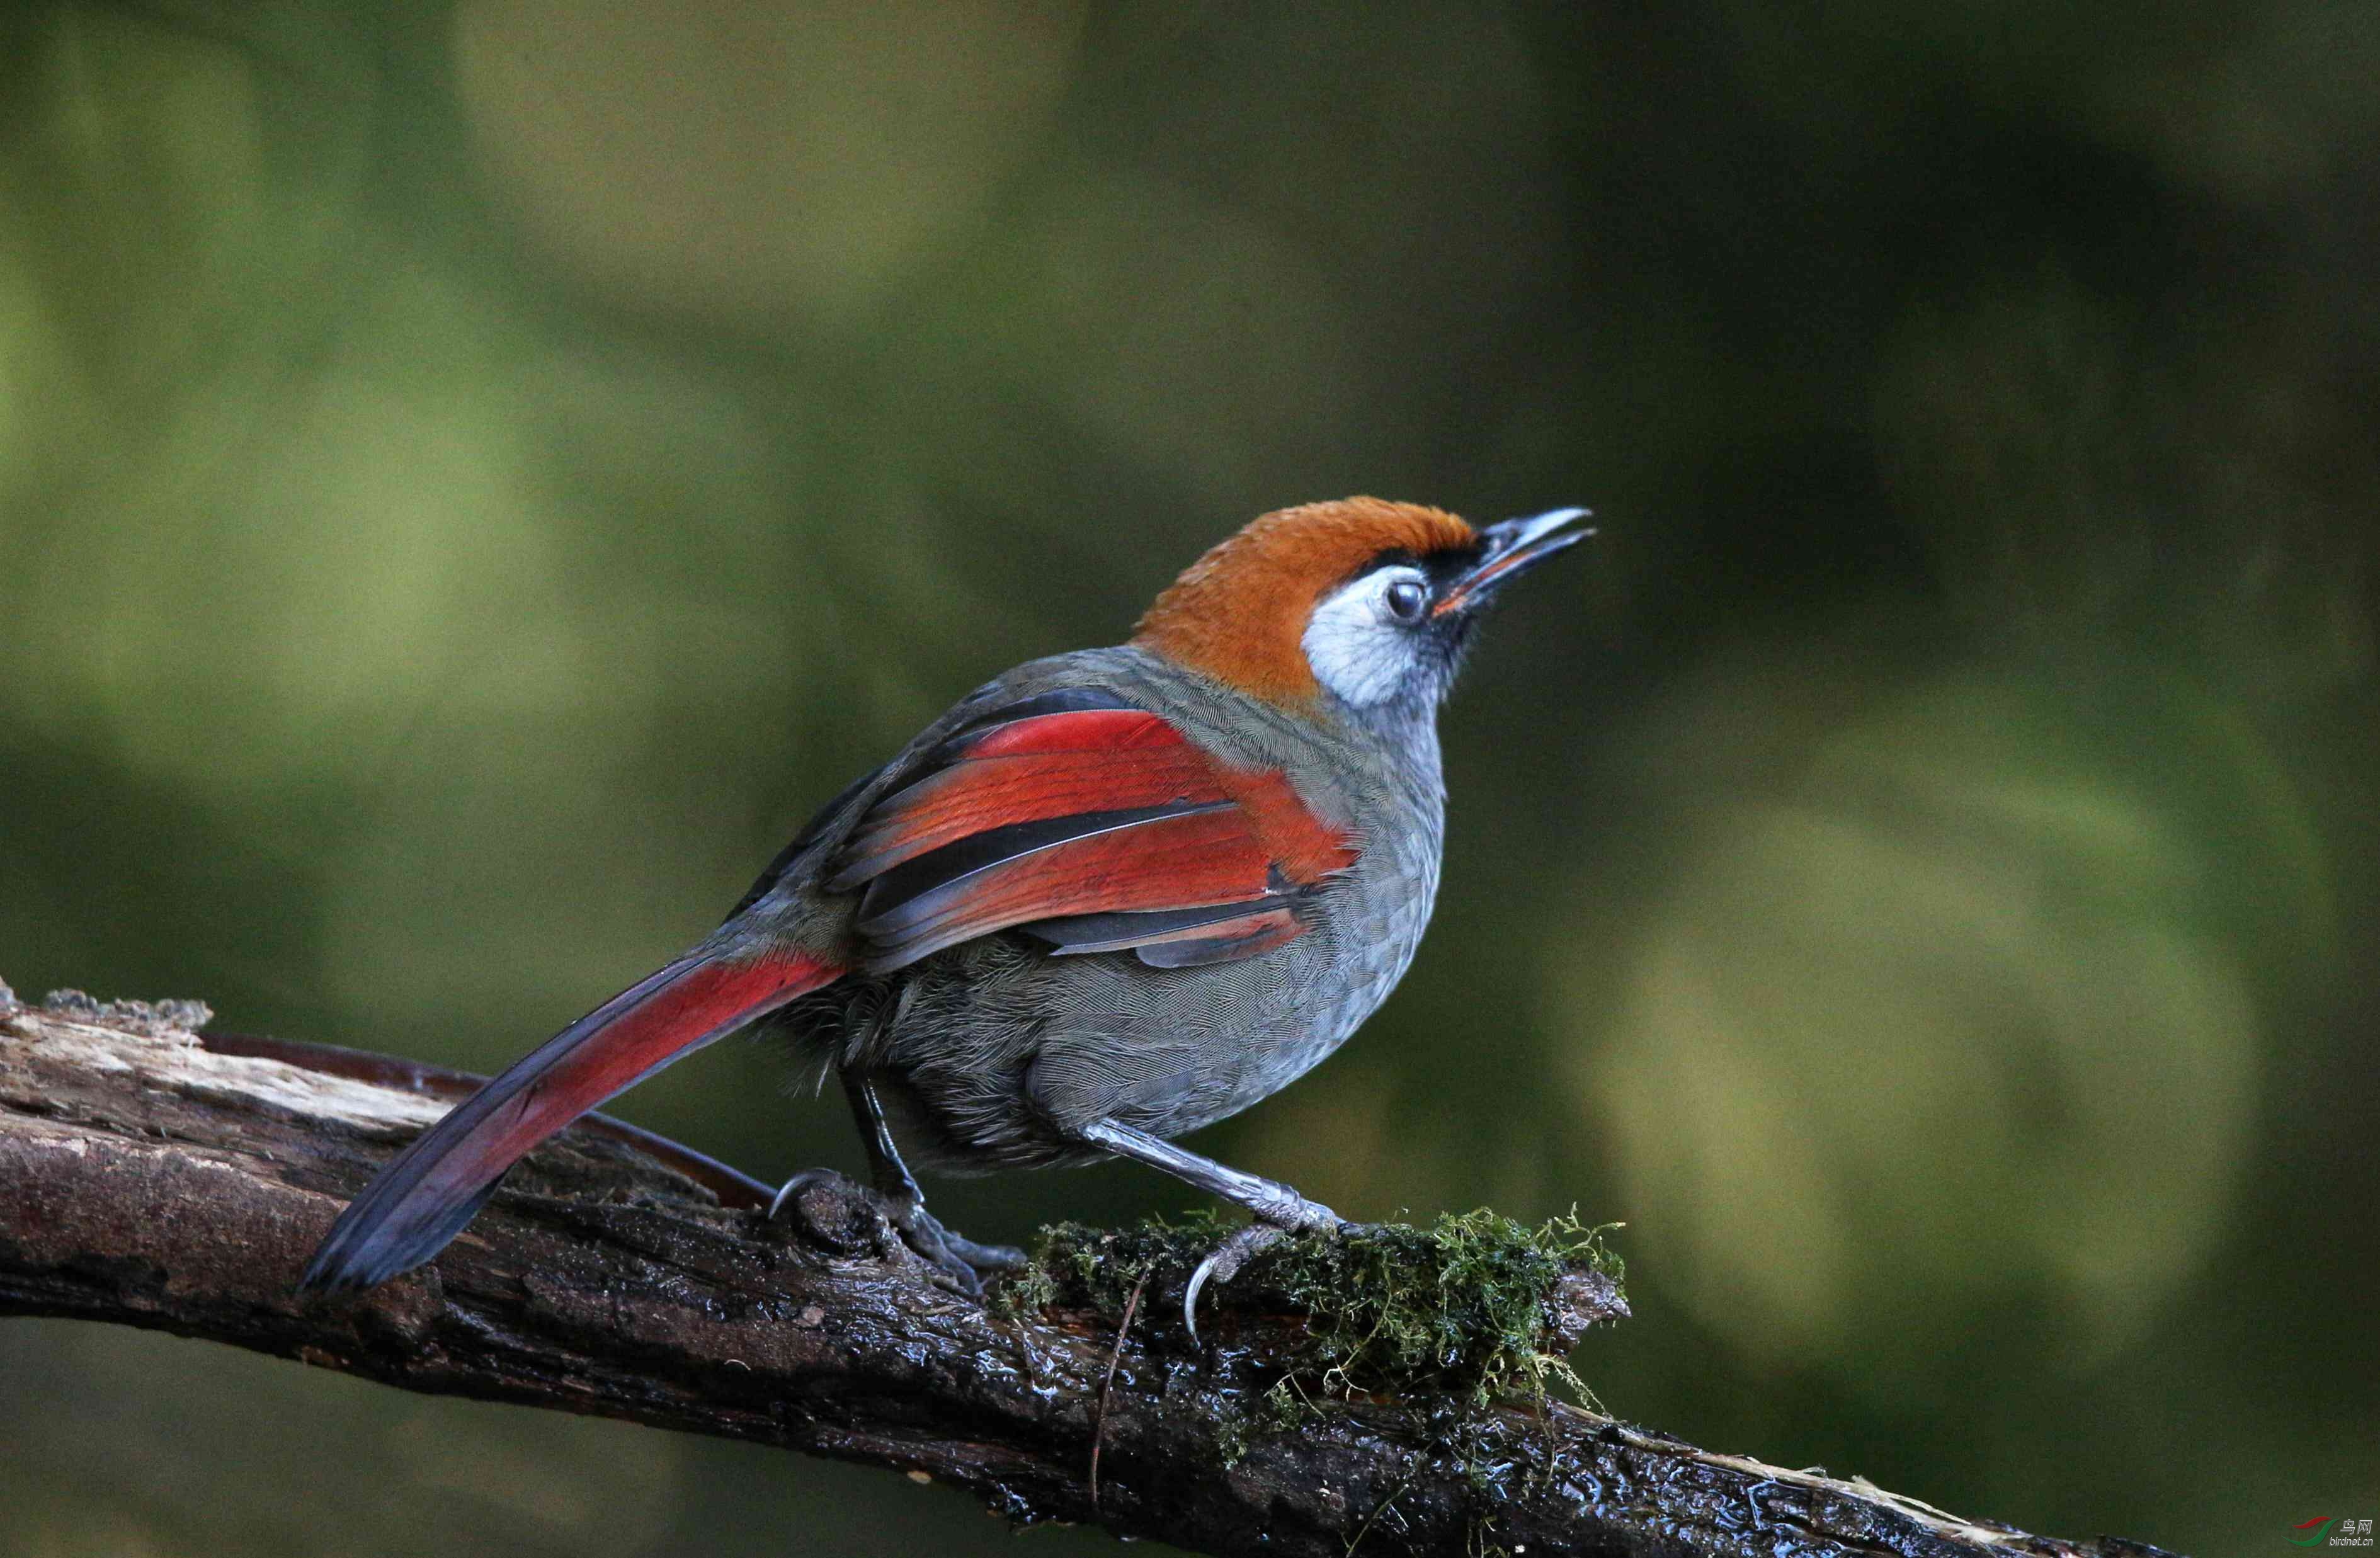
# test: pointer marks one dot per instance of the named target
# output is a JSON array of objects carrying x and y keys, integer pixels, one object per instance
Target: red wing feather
[
  {"x": 1167, "y": 862},
  {"x": 1225, "y": 942},
  {"x": 1053, "y": 817},
  {"x": 982, "y": 793},
  {"x": 1306, "y": 848},
  {"x": 1091, "y": 730},
  {"x": 1029, "y": 770}
]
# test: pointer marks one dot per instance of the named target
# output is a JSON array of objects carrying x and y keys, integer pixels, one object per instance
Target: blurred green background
[{"x": 473, "y": 477}]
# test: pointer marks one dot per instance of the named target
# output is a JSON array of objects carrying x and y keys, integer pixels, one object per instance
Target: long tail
[{"x": 431, "y": 1191}]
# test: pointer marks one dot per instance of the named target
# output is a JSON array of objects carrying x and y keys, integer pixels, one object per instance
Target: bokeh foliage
[{"x": 473, "y": 476}]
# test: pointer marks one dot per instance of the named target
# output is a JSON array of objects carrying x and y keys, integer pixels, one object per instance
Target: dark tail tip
[{"x": 374, "y": 1241}]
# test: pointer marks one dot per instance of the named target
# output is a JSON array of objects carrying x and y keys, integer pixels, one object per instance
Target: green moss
[
  {"x": 1097, "y": 1268},
  {"x": 1024, "y": 1293},
  {"x": 1463, "y": 1311},
  {"x": 1459, "y": 1307}
]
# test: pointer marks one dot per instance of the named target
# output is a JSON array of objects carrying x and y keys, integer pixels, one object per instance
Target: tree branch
[{"x": 152, "y": 1178}]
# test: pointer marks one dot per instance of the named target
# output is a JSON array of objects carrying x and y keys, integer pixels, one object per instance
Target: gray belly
[{"x": 999, "y": 1048}]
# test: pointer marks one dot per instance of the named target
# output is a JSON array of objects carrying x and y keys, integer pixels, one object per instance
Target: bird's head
[{"x": 1362, "y": 602}]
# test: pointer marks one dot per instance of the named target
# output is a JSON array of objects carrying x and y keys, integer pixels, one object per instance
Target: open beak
[{"x": 1509, "y": 550}]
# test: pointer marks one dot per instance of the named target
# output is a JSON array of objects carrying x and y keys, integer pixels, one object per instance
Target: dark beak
[{"x": 1508, "y": 551}]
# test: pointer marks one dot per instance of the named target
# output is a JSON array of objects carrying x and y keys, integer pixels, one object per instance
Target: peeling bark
[{"x": 150, "y": 1177}]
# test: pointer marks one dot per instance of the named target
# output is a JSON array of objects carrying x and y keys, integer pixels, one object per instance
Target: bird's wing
[{"x": 1092, "y": 825}]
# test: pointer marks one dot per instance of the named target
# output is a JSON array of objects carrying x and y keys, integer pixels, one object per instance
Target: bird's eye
[{"x": 1407, "y": 598}]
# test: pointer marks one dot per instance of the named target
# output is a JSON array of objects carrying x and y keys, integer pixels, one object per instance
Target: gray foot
[{"x": 961, "y": 1261}]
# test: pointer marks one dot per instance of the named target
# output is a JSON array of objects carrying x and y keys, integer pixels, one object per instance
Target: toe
[
  {"x": 984, "y": 1257},
  {"x": 961, "y": 1275},
  {"x": 962, "y": 1260}
]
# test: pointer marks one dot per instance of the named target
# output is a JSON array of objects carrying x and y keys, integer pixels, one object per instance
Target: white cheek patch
[{"x": 1354, "y": 647}]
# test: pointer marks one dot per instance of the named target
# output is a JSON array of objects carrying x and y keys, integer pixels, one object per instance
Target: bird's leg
[
  {"x": 1279, "y": 1211},
  {"x": 961, "y": 1259}
]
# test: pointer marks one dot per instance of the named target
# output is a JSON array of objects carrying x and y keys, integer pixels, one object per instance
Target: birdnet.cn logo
[{"x": 2329, "y": 1530}]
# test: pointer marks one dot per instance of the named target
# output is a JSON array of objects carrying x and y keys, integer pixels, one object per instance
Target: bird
[{"x": 1108, "y": 898}]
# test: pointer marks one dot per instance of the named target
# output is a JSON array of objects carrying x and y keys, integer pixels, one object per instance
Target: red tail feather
[{"x": 430, "y": 1191}]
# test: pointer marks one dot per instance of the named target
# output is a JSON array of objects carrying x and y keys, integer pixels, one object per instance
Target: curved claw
[
  {"x": 795, "y": 1186},
  {"x": 1223, "y": 1263}
]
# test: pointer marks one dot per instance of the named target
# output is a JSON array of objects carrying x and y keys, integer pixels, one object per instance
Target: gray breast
[{"x": 999, "y": 1047}]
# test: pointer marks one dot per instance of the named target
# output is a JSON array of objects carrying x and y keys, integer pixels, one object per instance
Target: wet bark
[{"x": 149, "y": 1177}]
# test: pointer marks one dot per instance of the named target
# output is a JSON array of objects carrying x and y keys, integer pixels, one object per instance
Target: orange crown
[{"x": 1239, "y": 613}]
